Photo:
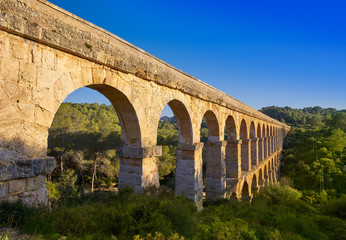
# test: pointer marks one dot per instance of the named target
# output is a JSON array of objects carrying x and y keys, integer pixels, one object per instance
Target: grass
[{"x": 161, "y": 215}]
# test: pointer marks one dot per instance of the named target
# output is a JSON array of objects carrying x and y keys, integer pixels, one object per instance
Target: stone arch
[
  {"x": 254, "y": 184},
  {"x": 271, "y": 140},
  {"x": 270, "y": 171},
  {"x": 231, "y": 129},
  {"x": 270, "y": 167},
  {"x": 275, "y": 139},
  {"x": 125, "y": 111},
  {"x": 245, "y": 148},
  {"x": 265, "y": 142},
  {"x": 268, "y": 141},
  {"x": 233, "y": 169},
  {"x": 265, "y": 174},
  {"x": 131, "y": 134},
  {"x": 254, "y": 144},
  {"x": 183, "y": 119},
  {"x": 252, "y": 130},
  {"x": 245, "y": 192},
  {"x": 213, "y": 126},
  {"x": 260, "y": 177},
  {"x": 215, "y": 182},
  {"x": 260, "y": 143}
]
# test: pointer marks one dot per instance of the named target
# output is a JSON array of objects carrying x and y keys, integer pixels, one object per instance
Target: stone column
[
  {"x": 246, "y": 155},
  {"x": 260, "y": 150},
  {"x": 276, "y": 143},
  {"x": 270, "y": 176},
  {"x": 233, "y": 159},
  {"x": 138, "y": 167},
  {"x": 265, "y": 147},
  {"x": 216, "y": 170},
  {"x": 254, "y": 151},
  {"x": 188, "y": 175},
  {"x": 269, "y": 146}
]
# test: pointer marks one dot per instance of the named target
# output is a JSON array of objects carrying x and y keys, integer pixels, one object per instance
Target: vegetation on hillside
[{"x": 309, "y": 202}]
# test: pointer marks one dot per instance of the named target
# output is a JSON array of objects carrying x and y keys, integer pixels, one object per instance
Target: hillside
[{"x": 309, "y": 202}]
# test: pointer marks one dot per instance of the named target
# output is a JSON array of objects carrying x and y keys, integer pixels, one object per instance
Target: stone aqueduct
[{"x": 46, "y": 53}]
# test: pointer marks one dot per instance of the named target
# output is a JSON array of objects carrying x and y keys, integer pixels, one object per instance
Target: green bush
[
  {"x": 277, "y": 192},
  {"x": 336, "y": 207},
  {"x": 65, "y": 189},
  {"x": 107, "y": 214},
  {"x": 14, "y": 214},
  {"x": 332, "y": 226}
]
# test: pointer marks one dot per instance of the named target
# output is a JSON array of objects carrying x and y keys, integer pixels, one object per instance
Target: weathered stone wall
[
  {"x": 25, "y": 180},
  {"x": 47, "y": 53}
]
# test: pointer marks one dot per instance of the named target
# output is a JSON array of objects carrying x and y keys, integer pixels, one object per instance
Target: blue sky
[{"x": 263, "y": 53}]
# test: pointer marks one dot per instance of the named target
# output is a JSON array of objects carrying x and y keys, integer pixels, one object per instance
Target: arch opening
[
  {"x": 260, "y": 143},
  {"x": 173, "y": 133},
  {"x": 254, "y": 144},
  {"x": 245, "y": 147},
  {"x": 83, "y": 136},
  {"x": 265, "y": 142},
  {"x": 245, "y": 193},
  {"x": 260, "y": 177},
  {"x": 254, "y": 184},
  {"x": 213, "y": 162},
  {"x": 183, "y": 120},
  {"x": 233, "y": 168}
]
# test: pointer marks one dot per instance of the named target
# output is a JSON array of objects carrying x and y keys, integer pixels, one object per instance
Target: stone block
[
  {"x": 4, "y": 45},
  {"x": 32, "y": 29},
  {"x": 138, "y": 152},
  {"x": 36, "y": 56},
  {"x": 3, "y": 189},
  {"x": 24, "y": 168},
  {"x": 43, "y": 117},
  {"x": 16, "y": 186},
  {"x": 46, "y": 77},
  {"x": 7, "y": 171},
  {"x": 35, "y": 183},
  {"x": 27, "y": 73},
  {"x": 19, "y": 50},
  {"x": 11, "y": 199},
  {"x": 9, "y": 70},
  {"x": 35, "y": 198}
]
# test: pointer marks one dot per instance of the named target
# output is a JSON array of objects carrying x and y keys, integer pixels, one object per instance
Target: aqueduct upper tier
[{"x": 46, "y": 53}]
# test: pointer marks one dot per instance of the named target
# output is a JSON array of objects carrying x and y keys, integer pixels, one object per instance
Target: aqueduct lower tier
[{"x": 46, "y": 53}]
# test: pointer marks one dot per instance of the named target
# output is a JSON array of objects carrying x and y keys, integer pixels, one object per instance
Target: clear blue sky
[{"x": 263, "y": 53}]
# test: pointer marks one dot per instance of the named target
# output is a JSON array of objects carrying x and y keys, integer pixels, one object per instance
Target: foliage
[
  {"x": 104, "y": 214},
  {"x": 159, "y": 236},
  {"x": 276, "y": 192},
  {"x": 65, "y": 189},
  {"x": 308, "y": 203},
  {"x": 13, "y": 214}
]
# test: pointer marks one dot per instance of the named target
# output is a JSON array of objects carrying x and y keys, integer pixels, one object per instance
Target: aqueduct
[{"x": 46, "y": 53}]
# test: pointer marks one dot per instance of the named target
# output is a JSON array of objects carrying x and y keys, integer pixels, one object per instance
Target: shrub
[
  {"x": 102, "y": 215},
  {"x": 159, "y": 236},
  {"x": 14, "y": 214},
  {"x": 277, "y": 192},
  {"x": 65, "y": 189},
  {"x": 336, "y": 207},
  {"x": 313, "y": 197}
]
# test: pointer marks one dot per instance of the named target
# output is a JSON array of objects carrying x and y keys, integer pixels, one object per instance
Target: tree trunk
[
  {"x": 94, "y": 175},
  {"x": 61, "y": 164}
]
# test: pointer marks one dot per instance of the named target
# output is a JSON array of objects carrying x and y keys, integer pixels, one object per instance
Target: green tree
[{"x": 337, "y": 141}]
